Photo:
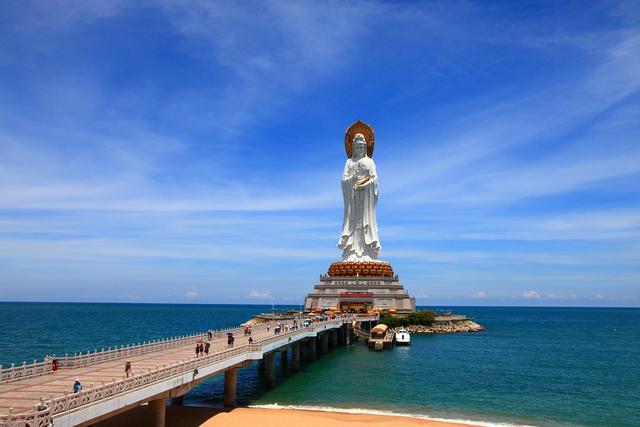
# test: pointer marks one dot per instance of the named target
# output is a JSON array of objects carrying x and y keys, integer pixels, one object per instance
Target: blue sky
[{"x": 191, "y": 151}]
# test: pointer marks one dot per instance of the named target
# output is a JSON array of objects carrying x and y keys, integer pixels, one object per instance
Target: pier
[{"x": 41, "y": 394}]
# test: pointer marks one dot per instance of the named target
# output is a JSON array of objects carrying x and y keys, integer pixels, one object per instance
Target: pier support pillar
[
  {"x": 230, "y": 387},
  {"x": 324, "y": 343},
  {"x": 295, "y": 356},
  {"x": 334, "y": 338},
  {"x": 270, "y": 369},
  {"x": 261, "y": 365},
  {"x": 311, "y": 347},
  {"x": 283, "y": 358},
  {"x": 157, "y": 410},
  {"x": 177, "y": 401},
  {"x": 347, "y": 335}
]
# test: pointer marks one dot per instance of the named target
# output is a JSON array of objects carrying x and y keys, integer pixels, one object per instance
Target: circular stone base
[{"x": 361, "y": 268}]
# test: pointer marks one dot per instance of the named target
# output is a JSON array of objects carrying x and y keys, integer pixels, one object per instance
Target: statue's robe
[{"x": 359, "y": 239}]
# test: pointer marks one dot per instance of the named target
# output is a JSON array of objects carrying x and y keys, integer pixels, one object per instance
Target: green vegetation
[
  {"x": 392, "y": 321},
  {"x": 424, "y": 318}
]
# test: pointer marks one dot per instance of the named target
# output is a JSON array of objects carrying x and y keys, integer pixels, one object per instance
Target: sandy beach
[
  {"x": 192, "y": 416},
  {"x": 297, "y": 418}
]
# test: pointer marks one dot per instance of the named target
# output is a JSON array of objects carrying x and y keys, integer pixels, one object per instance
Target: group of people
[
  {"x": 202, "y": 348},
  {"x": 230, "y": 339}
]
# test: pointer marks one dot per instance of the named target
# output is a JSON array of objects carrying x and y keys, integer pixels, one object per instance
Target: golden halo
[{"x": 363, "y": 128}]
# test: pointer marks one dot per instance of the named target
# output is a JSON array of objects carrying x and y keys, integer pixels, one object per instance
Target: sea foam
[{"x": 363, "y": 411}]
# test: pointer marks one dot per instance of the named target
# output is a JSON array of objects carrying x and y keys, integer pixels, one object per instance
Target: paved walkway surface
[{"x": 23, "y": 394}]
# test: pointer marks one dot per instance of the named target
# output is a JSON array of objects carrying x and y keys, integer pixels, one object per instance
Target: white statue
[{"x": 359, "y": 239}]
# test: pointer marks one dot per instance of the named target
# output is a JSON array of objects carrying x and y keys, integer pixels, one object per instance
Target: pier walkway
[{"x": 161, "y": 369}]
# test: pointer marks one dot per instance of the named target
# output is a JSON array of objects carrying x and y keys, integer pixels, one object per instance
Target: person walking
[
  {"x": 206, "y": 347},
  {"x": 42, "y": 405},
  {"x": 77, "y": 387},
  {"x": 127, "y": 368},
  {"x": 197, "y": 350}
]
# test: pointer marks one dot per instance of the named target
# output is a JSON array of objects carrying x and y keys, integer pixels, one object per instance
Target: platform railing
[
  {"x": 73, "y": 401},
  {"x": 24, "y": 371}
]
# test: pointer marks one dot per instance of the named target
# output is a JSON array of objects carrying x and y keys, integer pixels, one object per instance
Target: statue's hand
[{"x": 358, "y": 187}]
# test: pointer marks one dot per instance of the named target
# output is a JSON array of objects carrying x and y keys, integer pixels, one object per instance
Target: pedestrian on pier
[
  {"x": 250, "y": 340},
  {"x": 77, "y": 387},
  {"x": 209, "y": 335},
  {"x": 127, "y": 368},
  {"x": 197, "y": 350},
  {"x": 42, "y": 405},
  {"x": 206, "y": 347}
]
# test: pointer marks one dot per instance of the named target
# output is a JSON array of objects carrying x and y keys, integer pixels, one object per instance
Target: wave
[{"x": 363, "y": 411}]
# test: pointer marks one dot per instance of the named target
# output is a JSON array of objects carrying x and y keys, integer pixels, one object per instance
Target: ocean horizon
[{"x": 544, "y": 366}]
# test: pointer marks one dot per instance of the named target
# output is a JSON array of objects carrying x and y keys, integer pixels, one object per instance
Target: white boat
[{"x": 403, "y": 337}]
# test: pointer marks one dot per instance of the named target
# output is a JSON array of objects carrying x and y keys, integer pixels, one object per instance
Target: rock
[{"x": 448, "y": 327}]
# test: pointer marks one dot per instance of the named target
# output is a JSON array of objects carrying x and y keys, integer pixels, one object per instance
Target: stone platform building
[{"x": 365, "y": 286}]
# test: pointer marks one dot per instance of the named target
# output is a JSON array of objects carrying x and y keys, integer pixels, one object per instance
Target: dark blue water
[{"x": 540, "y": 366}]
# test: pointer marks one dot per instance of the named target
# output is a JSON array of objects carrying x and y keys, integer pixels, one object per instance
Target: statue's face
[{"x": 359, "y": 149}]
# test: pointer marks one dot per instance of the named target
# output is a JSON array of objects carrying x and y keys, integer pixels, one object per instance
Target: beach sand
[
  {"x": 192, "y": 416},
  {"x": 296, "y": 418}
]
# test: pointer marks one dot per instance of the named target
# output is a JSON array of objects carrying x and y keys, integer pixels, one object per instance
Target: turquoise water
[{"x": 538, "y": 366}]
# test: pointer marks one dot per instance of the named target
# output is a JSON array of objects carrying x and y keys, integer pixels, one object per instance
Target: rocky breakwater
[{"x": 446, "y": 327}]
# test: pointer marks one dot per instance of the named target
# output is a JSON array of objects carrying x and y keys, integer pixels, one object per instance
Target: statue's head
[{"x": 359, "y": 146}]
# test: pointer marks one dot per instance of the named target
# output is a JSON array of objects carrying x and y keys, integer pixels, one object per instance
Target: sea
[{"x": 531, "y": 367}]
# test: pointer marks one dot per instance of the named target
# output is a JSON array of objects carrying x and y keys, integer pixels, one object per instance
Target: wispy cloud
[
  {"x": 259, "y": 294},
  {"x": 531, "y": 295},
  {"x": 192, "y": 293}
]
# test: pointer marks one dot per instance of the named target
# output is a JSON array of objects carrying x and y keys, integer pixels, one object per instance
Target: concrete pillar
[
  {"x": 295, "y": 356},
  {"x": 261, "y": 365},
  {"x": 347, "y": 335},
  {"x": 283, "y": 357},
  {"x": 157, "y": 412},
  {"x": 334, "y": 338},
  {"x": 177, "y": 401},
  {"x": 311, "y": 347},
  {"x": 270, "y": 369},
  {"x": 230, "y": 387},
  {"x": 324, "y": 340}
]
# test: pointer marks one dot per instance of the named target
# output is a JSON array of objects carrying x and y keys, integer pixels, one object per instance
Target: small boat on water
[{"x": 403, "y": 337}]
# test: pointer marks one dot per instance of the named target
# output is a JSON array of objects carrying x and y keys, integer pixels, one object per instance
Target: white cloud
[
  {"x": 192, "y": 293},
  {"x": 259, "y": 294},
  {"x": 479, "y": 295},
  {"x": 561, "y": 296},
  {"x": 531, "y": 295}
]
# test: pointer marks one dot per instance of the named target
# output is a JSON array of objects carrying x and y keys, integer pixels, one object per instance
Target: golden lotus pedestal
[{"x": 360, "y": 268}]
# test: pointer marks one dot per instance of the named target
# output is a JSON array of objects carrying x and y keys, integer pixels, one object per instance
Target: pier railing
[
  {"x": 16, "y": 372},
  {"x": 72, "y": 401}
]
